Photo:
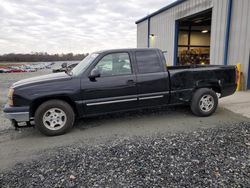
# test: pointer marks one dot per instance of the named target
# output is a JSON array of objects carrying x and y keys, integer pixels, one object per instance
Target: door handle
[{"x": 131, "y": 82}]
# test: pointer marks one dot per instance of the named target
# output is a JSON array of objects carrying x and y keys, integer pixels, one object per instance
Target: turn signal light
[{"x": 10, "y": 97}]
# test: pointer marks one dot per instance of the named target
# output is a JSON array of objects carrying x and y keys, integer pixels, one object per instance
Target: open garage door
[{"x": 193, "y": 44}]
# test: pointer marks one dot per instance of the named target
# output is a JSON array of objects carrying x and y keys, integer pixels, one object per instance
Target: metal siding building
[{"x": 229, "y": 35}]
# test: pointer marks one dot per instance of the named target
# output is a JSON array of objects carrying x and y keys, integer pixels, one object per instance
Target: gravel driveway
[{"x": 216, "y": 157}]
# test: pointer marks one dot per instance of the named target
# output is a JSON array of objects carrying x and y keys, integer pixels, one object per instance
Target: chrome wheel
[
  {"x": 54, "y": 119},
  {"x": 206, "y": 103}
]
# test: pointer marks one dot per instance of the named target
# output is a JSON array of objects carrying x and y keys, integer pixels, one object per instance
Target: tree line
[{"x": 41, "y": 56}]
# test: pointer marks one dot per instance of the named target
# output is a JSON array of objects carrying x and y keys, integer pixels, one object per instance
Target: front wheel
[
  {"x": 54, "y": 117},
  {"x": 204, "y": 102}
]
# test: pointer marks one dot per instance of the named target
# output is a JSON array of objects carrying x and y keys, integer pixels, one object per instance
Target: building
[{"x": 200, "y": 32}]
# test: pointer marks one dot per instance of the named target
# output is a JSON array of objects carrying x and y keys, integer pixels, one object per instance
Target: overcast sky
[{"x": 78, "y": 26}]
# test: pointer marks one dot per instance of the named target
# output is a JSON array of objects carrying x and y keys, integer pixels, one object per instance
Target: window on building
[{"x": 148, "y": 62}]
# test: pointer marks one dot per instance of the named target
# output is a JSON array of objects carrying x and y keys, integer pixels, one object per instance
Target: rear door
[
  {"x": 152, "y": 78},
  {"x": 115, "y": 89}
]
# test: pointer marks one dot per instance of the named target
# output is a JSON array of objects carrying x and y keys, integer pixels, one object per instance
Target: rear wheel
[
  {"x": 204, "y": 102},
  {"x": 54, "y": 117}
]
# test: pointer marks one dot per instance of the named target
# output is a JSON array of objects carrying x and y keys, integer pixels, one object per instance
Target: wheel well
[
  {"x": 36, "y": 103},
  {"x": 216, "y": 89}
]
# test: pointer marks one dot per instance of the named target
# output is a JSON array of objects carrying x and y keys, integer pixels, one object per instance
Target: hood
[{"x": 44, "y": 78}]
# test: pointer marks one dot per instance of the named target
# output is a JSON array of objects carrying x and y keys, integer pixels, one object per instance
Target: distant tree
[{"x": 41, "y": 56}]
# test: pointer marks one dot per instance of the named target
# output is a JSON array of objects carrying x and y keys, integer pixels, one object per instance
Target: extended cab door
[
  {"x": 152, "y": 78},
  {"x": 115, "y": 89}
]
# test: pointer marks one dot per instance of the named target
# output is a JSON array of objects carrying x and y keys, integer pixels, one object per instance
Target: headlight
[{"x": 10, "y": 96}]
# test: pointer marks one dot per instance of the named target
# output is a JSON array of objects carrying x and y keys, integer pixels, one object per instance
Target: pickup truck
[{"x": 114, "y": 81}]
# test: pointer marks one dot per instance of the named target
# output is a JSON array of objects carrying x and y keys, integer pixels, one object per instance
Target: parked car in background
[
  {"x": 64, "y": 68},
  {"x": 38, "y": 66},
  {"x": 4, "y": 70},
  {"x": 25, "y": 67},
  {"x": 28, "y": 68},
  {"x": 116, "y": 80},
  {"x": 16, "y": 69}
]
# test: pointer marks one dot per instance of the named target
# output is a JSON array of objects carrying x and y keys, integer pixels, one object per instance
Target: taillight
[{"x": 236, "y": 75}]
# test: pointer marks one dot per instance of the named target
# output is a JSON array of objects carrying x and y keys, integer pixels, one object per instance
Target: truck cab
[{"x": 124, "y": 79}]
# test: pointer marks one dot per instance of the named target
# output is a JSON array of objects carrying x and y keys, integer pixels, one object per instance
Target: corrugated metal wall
[
  {"x": 142, "y": 34},
  {"x": 162, "y": 26},
  {"x": 218, "y": 30},
  {"x": 239, "y": 43}
]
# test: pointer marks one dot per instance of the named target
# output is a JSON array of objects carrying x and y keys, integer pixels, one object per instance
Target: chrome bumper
[{"x": 18, "y": 114}]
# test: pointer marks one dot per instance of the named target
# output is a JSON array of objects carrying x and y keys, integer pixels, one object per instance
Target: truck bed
[{"x": 185, "y": 79}]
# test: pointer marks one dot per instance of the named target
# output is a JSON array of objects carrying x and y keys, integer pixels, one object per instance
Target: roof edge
[{"x": 160, "y": 10}]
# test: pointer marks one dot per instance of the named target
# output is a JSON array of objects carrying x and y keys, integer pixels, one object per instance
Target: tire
[
  {"x": 54, "y": 117},
  {"x": 204, "y": 102}
]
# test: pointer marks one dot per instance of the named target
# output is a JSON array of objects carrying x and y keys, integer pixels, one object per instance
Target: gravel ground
[{"x": 216, "y": 157}]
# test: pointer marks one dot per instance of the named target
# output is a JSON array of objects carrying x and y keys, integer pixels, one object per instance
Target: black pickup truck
[{"x": 116, "y": 80}]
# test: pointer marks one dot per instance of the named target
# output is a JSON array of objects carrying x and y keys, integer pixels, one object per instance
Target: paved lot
[{"x": 238, "y": 103}]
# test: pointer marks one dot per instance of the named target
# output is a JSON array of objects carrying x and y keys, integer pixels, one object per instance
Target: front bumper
[{"x": 19, "y": 114}]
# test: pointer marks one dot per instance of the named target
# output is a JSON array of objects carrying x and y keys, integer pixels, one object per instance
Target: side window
[
  {"x": 148, "y": 62},
  {"x": 114, "y": 64}
]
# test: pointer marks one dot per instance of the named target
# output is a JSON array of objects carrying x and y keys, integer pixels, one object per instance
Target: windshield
[{"x": 83, "y": 64}]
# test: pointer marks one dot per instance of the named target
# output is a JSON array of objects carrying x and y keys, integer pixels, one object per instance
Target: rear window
[{"x": 148, "y": 62}]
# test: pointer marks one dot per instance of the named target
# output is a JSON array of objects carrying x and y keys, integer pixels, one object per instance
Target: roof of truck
[{"x": 125, "y": 49}]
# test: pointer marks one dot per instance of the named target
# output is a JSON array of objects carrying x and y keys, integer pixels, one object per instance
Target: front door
[{"x": 115, "y": 89}]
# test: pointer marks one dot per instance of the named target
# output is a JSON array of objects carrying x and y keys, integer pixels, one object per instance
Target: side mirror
[{"x": 94, "y": 74}]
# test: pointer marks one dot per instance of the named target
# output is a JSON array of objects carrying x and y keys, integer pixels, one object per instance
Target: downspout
[
  {"x": 227, "y": 35},
  {"x": 248, "y": 80},
  {"x": 176, "y": 42},
  {"x": 149, "y": 32}
]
